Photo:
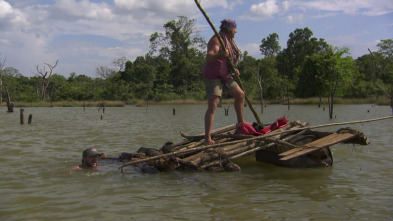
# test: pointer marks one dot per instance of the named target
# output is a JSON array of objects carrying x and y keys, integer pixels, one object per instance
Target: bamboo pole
[
  {"x": 237, "y": 79},
  {"x": 352, "y": 122}
]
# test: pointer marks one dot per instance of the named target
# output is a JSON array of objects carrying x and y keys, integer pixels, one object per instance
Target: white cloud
[
  {"x": 365, "y": 7},
  {"x": 34, "y": 33},
  {"x": 5, "y": 8},
  {"x": 286, "y": 5},
  {"x": 295, "y": 18},
  {"x": 10, "y": 18},
  {"x": 225, "y": 4},
  {"x": 263, "y": 10},
  {"x": 354, "y": 43},
  {"x": 266, "y": 10},
  {"x": 252, "y": 49},
  {"x": 154, "y": 12},
  {"x": 83, "y": 9}
]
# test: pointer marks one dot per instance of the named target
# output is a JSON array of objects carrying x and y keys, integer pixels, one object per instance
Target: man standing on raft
[{"x": 217, "y": 75}]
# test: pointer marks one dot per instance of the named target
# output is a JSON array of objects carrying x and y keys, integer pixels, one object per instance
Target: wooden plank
[
  {"x": 306, "y": 146},
  {"x": 316, "y": 145}
]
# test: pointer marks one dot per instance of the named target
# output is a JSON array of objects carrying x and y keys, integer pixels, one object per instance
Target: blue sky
[{"x": 86, "y": 34}]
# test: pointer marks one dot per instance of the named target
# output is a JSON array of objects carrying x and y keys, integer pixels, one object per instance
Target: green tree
[
  {"x": 300, "y": 46},
  {"x": 21, "y": 88},
  {"x": 162, "y": 89},
  {"x": 182, "y": 46},
  {"x": 385, "y": 47},
  {"x": 314, "y": 75},
  {"x": 248, "y": 68},
  {"x": 383, "y": 70},
  {"x": 58, "y": 82},
  {"x": 143, "y": 77},
  {"x": 335, "y": 70},
  {"x": 270, "y": 46},
  {"x": 126, "y": 75},
  {"x": 363, "y": 82},
  {"x": 270, "y": 79},
  {"x": 114, "y": 88}
]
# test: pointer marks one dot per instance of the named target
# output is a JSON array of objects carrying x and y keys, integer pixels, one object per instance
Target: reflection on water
[{"x": 36, "y": 183}]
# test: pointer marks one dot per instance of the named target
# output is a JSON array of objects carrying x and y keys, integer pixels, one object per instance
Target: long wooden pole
[
  {"x": 352, "y": 122},
  {"x": 237, "y": 79}
]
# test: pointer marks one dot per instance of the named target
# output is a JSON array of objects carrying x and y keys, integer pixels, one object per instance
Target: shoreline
[{"x": 383, "y": 101}]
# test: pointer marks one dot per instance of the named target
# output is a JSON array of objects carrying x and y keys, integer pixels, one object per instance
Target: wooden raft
[{"x": 295, "y": 145}]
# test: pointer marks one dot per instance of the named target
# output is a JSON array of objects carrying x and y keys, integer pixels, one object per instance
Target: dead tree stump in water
[
  {"x": 22, "y": 116},
  {"x": 30, "y": 119},
  {"x": 10, "y": 106}
]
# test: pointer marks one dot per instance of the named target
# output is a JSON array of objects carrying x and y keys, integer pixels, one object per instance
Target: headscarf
[{"x": 228, "y": 23}]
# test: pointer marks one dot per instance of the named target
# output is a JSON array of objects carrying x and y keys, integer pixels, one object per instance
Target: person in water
[
  {"x": 217, "y": 75},
  {"x": 90, "y": 158}
]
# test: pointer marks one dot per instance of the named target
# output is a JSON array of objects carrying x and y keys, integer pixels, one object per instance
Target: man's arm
[{"x": 213, "y": 50}]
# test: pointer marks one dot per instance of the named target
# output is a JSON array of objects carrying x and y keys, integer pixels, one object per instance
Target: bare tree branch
[
  {"x": 46, "y": 76},
  {"x": 120, "y": 62},
  {"x": 104, "y": 72}
]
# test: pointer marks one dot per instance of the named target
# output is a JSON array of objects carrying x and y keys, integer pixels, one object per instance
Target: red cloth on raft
[{"x": 248, "y": 129}]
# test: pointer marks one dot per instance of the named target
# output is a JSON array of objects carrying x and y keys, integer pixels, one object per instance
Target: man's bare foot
[
  {"x": 209, "y": 142},
  {"x": 237, "y": 127}
]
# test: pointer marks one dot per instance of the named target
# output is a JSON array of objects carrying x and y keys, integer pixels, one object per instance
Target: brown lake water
[{"x": 36, "y": 184}]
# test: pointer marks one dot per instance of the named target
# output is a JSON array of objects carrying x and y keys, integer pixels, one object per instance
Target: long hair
[{"x": 230, "y": 45}]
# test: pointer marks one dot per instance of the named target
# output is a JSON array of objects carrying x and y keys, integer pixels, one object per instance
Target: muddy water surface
[{"x": 36, "y": 184}]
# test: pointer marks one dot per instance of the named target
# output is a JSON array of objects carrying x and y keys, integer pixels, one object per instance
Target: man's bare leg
[
  {"x": 239, "y": 96},
  {"x": 212, "y": 103}
]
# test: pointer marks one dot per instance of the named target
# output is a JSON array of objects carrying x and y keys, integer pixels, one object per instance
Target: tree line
[{"x": 307, "y": 67}]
